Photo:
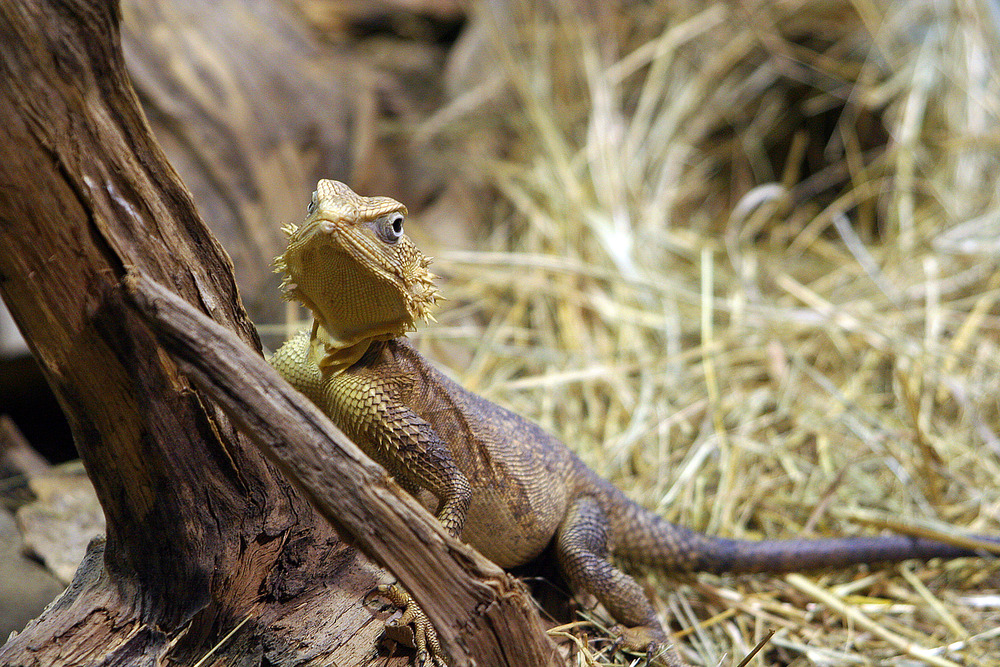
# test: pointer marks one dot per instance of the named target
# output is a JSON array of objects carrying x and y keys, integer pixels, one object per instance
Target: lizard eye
[
  {"x": 312, "y": 205},
  {"x": 397, "y": 224},
  {"x": 390, "y": 227}
]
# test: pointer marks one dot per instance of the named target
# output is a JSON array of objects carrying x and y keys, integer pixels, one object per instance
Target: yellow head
[{"x": 353, "y": 267}]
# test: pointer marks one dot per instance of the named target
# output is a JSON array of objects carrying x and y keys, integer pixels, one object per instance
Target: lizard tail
[{"x": 650, "y": 540}]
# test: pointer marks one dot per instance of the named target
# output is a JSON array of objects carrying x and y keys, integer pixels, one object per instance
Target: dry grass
[{"x": 745, "y": 262}]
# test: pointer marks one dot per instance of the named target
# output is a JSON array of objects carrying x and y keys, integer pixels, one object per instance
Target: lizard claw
[{"x": 412, "y": 627}]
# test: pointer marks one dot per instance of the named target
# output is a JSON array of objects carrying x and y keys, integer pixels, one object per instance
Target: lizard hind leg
[{"x": 583, "y": 554}]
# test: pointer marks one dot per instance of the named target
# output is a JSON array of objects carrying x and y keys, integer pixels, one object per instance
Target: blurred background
[{"x": 742, "y": 256}]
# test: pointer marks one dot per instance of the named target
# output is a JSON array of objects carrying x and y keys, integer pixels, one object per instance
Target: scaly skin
[{"x": 496, "y": 480}]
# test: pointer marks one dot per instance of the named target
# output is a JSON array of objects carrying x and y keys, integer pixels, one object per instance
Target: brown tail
[{"x": 653, "y": 541}]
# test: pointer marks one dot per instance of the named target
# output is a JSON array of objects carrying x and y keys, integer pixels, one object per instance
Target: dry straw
[{"x": 744, "y": 261}]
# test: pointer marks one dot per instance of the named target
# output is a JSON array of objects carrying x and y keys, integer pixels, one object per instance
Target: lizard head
[{"x": 352, "y": 266}]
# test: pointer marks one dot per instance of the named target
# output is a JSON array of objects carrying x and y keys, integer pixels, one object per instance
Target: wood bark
[{"x": 204, "y": 536}]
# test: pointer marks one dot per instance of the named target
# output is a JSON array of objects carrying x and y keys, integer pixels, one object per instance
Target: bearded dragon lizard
[{"x": 496, "y": 480}]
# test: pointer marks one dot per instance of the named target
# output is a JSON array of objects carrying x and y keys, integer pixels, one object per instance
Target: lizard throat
[{"x": 354, "y": 305}]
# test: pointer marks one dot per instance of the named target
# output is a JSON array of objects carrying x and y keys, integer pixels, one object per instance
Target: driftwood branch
[{"x": 482, "y": 614}]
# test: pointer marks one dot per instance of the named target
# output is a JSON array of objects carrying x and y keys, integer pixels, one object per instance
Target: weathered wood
[
  {"x": 203, "y": 533},
  {"x": 480, "y": 612}
]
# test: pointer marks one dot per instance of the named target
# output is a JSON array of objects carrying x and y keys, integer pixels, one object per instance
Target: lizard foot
[
  {"x": 647, "y": 640},
  {"x": 412, "y": 627}
]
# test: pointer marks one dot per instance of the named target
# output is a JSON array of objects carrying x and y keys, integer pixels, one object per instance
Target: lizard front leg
[
  {"x": 409, "y": 448},
  {"x": 423, "y": 637},
  {"x": 412, "y": 451},
  {"x": 386, "y": 429},
  {"x": 582, "y": 550},
  {"x": 397, "y": 438}
]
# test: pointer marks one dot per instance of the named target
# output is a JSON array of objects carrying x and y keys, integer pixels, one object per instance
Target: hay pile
[{"x": 745, "y": 261}]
